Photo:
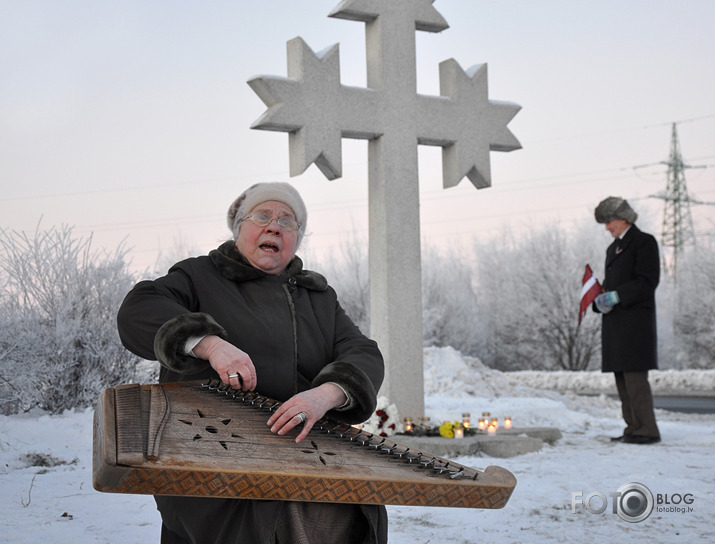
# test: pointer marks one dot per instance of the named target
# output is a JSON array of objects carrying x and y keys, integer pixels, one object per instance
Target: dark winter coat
[
  {"x": 297, "y": 335},
  {"x": 629, "y": 338}
]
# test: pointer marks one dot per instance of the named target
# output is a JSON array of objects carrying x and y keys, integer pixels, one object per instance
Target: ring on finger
[
  {"x": 234, "y": 376},
  {"x": 301, "y": 416}
]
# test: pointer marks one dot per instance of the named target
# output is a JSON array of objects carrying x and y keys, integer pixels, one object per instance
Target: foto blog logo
[{"x": 632, "y": 502}]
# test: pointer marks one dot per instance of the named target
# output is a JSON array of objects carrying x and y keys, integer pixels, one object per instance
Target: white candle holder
[{"x": 458, "y": 431}]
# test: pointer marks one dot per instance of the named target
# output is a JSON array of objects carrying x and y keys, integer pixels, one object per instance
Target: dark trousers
[{"x": 637, "y": 404}]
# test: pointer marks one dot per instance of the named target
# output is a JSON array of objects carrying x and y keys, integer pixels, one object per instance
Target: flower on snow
[
  {"x": 446, "y": 430},
  {"x": 385, "y": 421}
]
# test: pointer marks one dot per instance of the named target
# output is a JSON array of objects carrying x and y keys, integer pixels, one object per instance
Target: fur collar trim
[{"x": 235, "y": 267}]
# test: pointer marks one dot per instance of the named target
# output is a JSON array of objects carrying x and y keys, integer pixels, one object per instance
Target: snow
[{"x": 47, "y": 494}]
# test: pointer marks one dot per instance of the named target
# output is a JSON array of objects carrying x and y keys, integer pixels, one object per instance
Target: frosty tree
[{"x": 59, "y": 345}]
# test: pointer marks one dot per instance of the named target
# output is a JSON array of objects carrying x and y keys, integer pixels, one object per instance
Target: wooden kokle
[{"x": 206, "y": 439}]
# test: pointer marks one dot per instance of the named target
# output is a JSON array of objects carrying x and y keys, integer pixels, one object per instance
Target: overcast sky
[{"x": 131, "y": 119}]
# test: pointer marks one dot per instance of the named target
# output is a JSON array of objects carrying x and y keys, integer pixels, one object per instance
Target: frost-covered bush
[
  {"x": 59, "y": 346},
  {"x": 529, "y": 294},
  {"x": 349, "y": 276},
  {"x": 450, "y": 303},
  {"x": 513, "y": 302},
  {"x": 691, "y": 319}
]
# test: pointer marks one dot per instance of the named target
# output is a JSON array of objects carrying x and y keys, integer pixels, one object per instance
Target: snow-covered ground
[
  {"x": 47, "y": 495},
  {"x": 662, "y": 382}
]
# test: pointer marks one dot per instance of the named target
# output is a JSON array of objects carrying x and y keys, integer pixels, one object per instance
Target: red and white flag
[{"x": 590, "y": 289}]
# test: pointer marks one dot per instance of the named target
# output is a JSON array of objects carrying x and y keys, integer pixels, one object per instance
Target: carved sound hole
[
  {"x": 324, "y": 457},
  {"x": 215, "y": 429}
]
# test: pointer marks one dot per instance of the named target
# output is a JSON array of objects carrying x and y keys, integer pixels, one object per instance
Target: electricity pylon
[{"x": 677, "y": 221}]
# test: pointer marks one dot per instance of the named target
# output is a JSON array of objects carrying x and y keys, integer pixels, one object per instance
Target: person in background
[
  {"x": 629, "y": 337},
  {"x": 249, "y": 314}
]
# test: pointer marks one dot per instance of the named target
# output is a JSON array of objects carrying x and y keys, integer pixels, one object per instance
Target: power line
[
  {"x": 235, "y": 178},
  {"x": 626, "y": 129},
  {"x": 535, "y": 183},
  {"x": 678, "y": 227}
]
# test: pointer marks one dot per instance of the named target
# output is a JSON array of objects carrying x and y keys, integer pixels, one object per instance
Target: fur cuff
[
  {"x": 172, "y": 335},
  {"x": 357, "y": 384}
]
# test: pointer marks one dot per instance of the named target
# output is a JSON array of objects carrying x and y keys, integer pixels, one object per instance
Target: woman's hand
[
  {"x": 233, "y": 366},
  {"x": 313, "y": 403}
]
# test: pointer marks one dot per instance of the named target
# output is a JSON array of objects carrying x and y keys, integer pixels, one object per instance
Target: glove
[{"x": 606, "y": 301}]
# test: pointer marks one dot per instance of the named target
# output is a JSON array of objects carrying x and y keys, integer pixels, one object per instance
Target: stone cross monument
[{"x": 318, "y": 111}]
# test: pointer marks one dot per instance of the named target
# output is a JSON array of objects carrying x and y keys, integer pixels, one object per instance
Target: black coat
[
  {"x": 297, "y": 336},
  {"x": 629, "y": 338}
]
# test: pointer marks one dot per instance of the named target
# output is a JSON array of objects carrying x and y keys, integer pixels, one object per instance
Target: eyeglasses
[{"x": 261, "y": 219}]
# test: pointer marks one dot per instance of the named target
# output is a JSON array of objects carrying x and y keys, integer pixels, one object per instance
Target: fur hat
[
  {"x": 262, "y": 192},
  {"x": 615, "y": 207}
]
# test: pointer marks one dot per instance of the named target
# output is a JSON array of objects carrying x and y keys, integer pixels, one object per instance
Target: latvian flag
[{"x": 589, "y": 291}]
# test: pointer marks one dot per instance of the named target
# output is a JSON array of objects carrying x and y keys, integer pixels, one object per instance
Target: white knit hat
[{"x": 262, "y": 192}]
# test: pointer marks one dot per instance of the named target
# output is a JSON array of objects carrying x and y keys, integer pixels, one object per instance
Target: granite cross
[{"x": 317, "y": 111}]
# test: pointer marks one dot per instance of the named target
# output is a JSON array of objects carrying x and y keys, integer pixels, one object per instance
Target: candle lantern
[
  {"x": 507, "y": 423},
  {"x": 466, "y": 420},
  {"x": 492, "y": 430},
  {"x": 482, "y": 424},
  {"x": 408, "y": 425},
  {"x": 486, "y": 415},
  {"x": 495, "y": 422},
  {"x": 458, "y": 431}
]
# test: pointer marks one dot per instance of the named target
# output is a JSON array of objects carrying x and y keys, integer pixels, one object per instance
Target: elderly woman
[{"x": 249, "y": 314}]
